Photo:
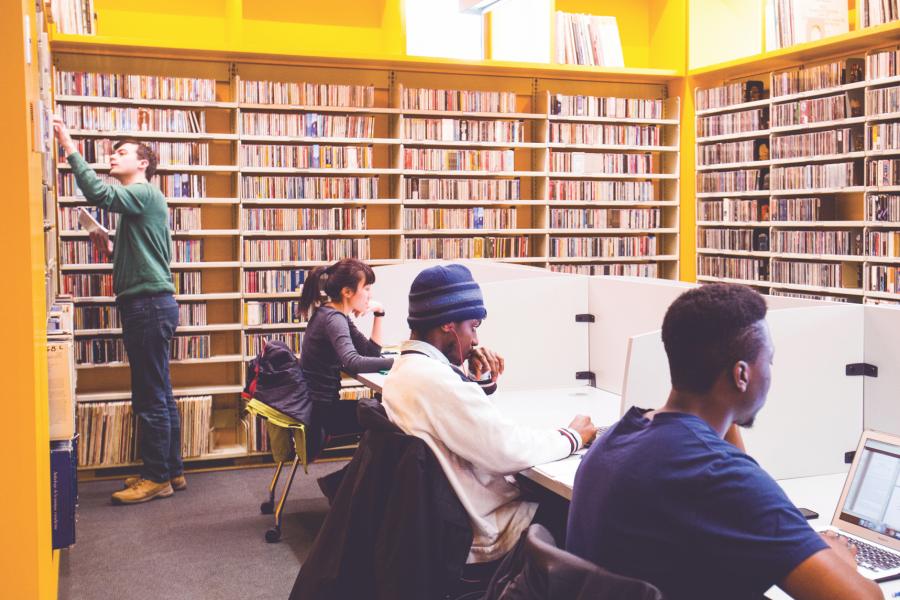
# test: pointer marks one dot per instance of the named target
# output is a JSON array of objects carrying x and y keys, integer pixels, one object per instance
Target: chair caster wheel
[
  {"x": 273, "y": 535},
  {"x": 267, "y": 507}
]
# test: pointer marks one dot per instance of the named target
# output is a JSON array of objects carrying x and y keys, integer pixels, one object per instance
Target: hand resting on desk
[{"x": 585, "y": 428}]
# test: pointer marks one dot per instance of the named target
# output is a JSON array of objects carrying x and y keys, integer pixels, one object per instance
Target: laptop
[{"x": 868, "y": 512}]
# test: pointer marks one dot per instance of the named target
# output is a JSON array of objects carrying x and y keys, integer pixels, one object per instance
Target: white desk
[
  {"x": 373, "y": 381},
  {"x": 545, "y": 408},
  {"x": 820, "y": 494},
  {"x": 555, "y": 408},
  {"x": 540, "y": 408}
]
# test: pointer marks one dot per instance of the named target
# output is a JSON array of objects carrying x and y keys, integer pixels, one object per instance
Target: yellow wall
[
  {"x": 722, "y": 30},
  {"x": 347, "y": 28},
  {"x": 199, "y": 24},
  {"x": 687, "y": 252},
  {"x": 354, "y": 29},
  {"x": 27, "y": 565},
  {"x": 652, "y": 31}
]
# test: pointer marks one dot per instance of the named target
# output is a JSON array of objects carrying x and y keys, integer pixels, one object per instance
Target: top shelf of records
[
  {"x": 118, "y": 87},
  {"x": 114, "y": 89},
  {"x": 877, "y": 12},
  {"x": 741, "y": 109},
  {"x": 796, "y": 83}
]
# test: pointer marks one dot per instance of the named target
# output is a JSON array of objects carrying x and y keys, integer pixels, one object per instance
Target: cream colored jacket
[{"x": 478, "y": 447}]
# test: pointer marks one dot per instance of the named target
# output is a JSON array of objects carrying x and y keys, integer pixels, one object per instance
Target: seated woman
[{"x": 332, "y": 343}]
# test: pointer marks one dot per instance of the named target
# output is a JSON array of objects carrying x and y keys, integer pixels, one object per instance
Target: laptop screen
[{"x": 873, "y": 500}]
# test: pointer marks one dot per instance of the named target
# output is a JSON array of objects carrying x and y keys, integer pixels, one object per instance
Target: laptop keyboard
[{"x": 872, "y": 557}]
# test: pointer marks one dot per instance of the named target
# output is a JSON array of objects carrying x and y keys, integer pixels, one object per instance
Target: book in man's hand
[{"x": 88, "y": 222}]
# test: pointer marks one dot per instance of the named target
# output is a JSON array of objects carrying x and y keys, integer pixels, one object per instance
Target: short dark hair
[
  {"x": 144, "y": 152},
  {"x": 708, "y": 329}
]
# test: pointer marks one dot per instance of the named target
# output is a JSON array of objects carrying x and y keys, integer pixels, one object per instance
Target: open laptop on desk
[{"x": 868, "y": 512}]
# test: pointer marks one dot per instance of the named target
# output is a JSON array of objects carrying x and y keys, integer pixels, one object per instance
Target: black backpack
[{"x": 275, "y": 378}]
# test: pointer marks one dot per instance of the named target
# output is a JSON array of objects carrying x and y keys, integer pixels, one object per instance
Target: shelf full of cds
[{"x": 798, "y": 193}]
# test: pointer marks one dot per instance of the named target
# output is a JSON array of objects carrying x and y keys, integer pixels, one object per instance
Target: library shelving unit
[
  {"x": 283, "y": 166},
  {"x": 613, "y": 184},
  {"x": 190, "y": 120},
  {"x": 469, "y": 173},
  {"x": 46, "y": 146},
  {"x": 811, "y": 210},
  {"x": 315, "y": 185}
]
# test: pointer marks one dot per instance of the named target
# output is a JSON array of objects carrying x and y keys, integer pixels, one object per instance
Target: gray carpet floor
[{"x": 204, "y": 543}]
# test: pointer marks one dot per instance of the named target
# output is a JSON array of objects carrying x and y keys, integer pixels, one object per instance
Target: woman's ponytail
[{"x": 312, "y": 291}]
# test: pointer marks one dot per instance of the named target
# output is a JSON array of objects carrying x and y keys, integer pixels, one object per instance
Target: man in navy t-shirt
[{"x": 671, "y": 498}]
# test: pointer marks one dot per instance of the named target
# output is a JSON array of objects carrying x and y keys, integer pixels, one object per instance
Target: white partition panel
[
  {"x": 531, "y": 323},
  {"x": 814, "y": 412},
  {"x": 624, "y": 307},
  {"x": 392, "y": 289},
  {"x": 628, "y": 306},
  {"x": 647, "y": 381},
  {"x": 882, "y": 349}
]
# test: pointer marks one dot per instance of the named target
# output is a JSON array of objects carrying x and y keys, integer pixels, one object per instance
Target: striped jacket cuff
[
  {"x": 574, "y": 438},
  {"x": 487, "y": 386}
]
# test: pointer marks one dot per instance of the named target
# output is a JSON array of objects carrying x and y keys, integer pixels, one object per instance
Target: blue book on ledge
[{"x": 63, "y": 491}]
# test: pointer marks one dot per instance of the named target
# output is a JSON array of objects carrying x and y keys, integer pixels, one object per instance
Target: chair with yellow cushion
[{"x": 287, "y": 439}]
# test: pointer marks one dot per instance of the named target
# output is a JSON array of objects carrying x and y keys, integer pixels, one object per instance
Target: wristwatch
[{"x": 378, "y": 314}]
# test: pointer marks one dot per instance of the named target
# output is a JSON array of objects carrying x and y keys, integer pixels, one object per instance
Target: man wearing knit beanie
[
  {"x": 448, "y": 294},
  {"x": 428, "y": 394}
]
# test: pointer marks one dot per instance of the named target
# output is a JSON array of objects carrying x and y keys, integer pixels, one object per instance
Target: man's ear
[
  {"x": 741, "y": 375},
  {"x": 143, "y": 162},
  {"x": 447, "y": 327}
]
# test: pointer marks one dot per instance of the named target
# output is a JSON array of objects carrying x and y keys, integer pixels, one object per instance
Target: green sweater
[{"x": 143, "y": 242}]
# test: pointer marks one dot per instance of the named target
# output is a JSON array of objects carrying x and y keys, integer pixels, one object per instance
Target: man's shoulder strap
[{"x": 456, "y": 369}]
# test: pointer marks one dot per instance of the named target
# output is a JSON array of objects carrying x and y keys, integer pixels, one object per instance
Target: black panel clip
[
  {"x": 589, "y": 375},
  {"x": 585, "y": 318},
  {"x": 861, "y": 369}
]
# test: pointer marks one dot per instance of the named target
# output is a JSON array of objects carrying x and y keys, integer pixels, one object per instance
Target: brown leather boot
[
  {"x": 178, "y": 483},
  {"x": 143, "y": 490}
]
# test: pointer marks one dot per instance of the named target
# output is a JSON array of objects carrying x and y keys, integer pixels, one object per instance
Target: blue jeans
[{"x": 148, "y": 324}]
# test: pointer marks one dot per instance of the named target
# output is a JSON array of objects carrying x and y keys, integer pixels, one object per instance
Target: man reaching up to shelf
[{"x": 145, "y": 301}]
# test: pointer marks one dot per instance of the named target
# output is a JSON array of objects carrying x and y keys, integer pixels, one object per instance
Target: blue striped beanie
[{"x": 444, "y": 294}]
